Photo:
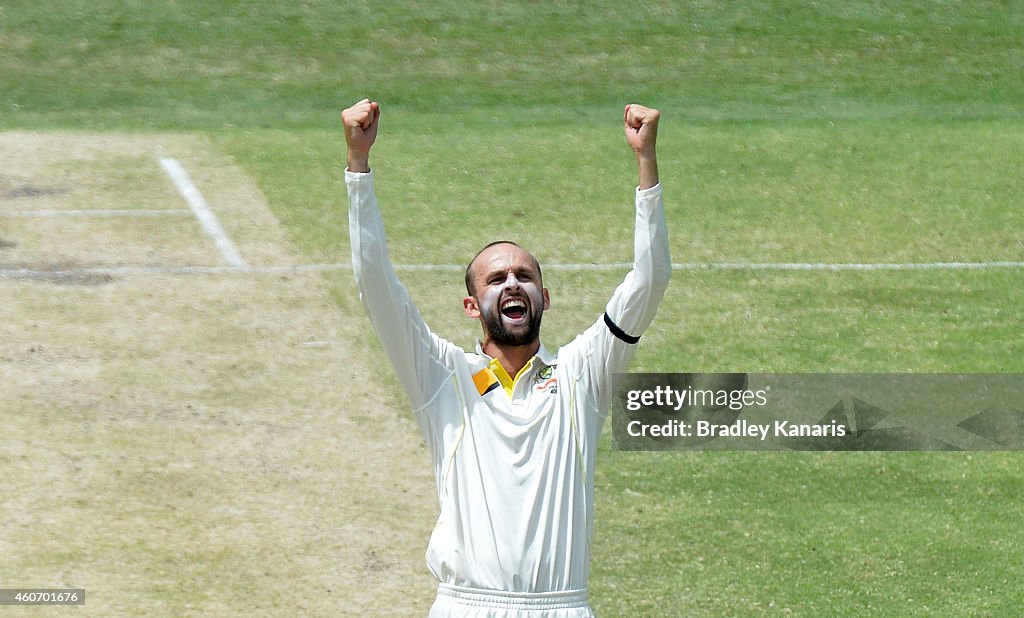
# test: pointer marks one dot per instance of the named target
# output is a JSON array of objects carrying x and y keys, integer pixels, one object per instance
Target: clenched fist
[
  {"x": 641, "y": 128},
  {"x": 360, "y": 122},
  {"x": 641, "y": 124}
]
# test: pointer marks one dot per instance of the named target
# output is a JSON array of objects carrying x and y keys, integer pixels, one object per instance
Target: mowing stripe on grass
[
  {"x": 211, "y": 225},
  {"x": 110, "y": 212},
  {"x": 30, "y": 273}
]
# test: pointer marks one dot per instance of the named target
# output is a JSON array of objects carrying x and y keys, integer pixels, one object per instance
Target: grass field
[{"x": 827, "y": 132}]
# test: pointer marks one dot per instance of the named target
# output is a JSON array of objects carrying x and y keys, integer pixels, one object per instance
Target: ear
[
  {"x": 471, "y": 307},
  {"x": 547, "y": 298}
]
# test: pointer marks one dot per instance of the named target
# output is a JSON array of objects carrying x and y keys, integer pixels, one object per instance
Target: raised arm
[
  {"x": 641, "y": 124},
  {"x": 633, "y": 305},
  {"x": 416, "y": 354},
  {"x": 610, "y": 342}
]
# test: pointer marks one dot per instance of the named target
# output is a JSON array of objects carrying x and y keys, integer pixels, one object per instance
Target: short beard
[{"x": 499, "y": 333}]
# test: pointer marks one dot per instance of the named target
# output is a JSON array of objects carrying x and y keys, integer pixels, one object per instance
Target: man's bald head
[
  {"x": 472, "y": 270},
  {"x": 506, "y": 294}
]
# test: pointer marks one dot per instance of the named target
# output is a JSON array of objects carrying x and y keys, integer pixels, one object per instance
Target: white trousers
[{"x": 459, "y": 602}]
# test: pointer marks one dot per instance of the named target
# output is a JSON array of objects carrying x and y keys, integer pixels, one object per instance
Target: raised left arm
[
  {"x": 608, "y": 344},
  {"x": 641, "y": 125},
  {"x": 632, "y": 307}
]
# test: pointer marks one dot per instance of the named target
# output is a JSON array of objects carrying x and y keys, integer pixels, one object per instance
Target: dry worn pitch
[{"x": 188, "y": 443}]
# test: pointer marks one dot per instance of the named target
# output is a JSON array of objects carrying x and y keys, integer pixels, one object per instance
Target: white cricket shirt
[{"x": 514, "y": 473}]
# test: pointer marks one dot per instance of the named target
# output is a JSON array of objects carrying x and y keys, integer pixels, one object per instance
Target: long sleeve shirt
[{"x": 514, "y": 471}]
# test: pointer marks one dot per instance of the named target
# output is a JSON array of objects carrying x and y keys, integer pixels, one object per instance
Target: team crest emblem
[{"x": 545, "y": 382}]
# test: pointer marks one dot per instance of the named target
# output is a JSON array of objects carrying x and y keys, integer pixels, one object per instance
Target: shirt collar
[{"x": 542, "y": 354}]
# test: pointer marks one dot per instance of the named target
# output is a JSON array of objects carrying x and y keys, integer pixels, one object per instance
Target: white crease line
[
  {"x": 202, "y": 211},
  {"x": 30, "y": 273},
  {"x": 94, "y": 213}
]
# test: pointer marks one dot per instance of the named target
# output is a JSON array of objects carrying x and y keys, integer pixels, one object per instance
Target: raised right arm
[{"x": 417, "y": 355}]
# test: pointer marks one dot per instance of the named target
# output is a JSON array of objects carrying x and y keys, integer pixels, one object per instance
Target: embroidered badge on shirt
[{"x": 545, "y": 382}]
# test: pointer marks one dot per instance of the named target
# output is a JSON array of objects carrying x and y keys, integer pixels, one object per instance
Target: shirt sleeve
[
  {"x": 417, "y": 355},
  {"x": 607, "y": 346}
]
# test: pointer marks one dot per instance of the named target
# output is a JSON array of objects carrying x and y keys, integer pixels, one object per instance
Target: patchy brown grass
[{"x": 190, "y": 444}]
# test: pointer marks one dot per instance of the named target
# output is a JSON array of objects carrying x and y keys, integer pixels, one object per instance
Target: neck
[{"x": 512, "y": 357}]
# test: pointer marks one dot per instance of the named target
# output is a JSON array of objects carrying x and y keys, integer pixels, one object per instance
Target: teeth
[{"x": 513, "y": 303}]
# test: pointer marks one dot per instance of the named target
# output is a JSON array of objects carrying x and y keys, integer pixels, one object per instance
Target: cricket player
[{"x": 511, "y": 428}]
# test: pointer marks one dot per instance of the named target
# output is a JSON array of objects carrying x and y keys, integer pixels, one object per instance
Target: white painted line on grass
[
  {"x": 732, "y": 266},
  {"x": 94, "y": 213},
  {"x": 202, "y": 211},
  {"x": 849, "y": 265},
  {"x": 115, "y": 271}
]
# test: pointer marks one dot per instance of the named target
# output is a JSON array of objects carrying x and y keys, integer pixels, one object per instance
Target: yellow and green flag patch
[{"x": 485, "y": 381}]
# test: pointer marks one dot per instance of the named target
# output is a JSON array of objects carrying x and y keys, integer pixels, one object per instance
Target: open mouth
[{"x": 514, "y": 309}]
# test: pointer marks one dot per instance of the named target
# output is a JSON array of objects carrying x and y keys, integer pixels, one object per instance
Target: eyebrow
[{"x": 526, "y": 268}]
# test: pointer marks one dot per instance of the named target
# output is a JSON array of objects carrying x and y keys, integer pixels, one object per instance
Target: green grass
[
  {"x": 861, "y": 192},
  {"x": 189, "y": 64},
  {"x": 808, "y": 534},
  {"x": 832, "y": 131}
]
